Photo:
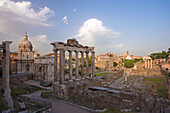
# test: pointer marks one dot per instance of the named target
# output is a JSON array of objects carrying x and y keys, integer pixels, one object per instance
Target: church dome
[{"x": 25, "y": 44}]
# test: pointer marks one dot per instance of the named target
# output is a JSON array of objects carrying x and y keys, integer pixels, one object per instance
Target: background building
[{"x": 22, "y": 61}]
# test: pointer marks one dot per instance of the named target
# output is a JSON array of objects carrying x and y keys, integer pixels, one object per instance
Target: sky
[{"x": 139, "y": 26}]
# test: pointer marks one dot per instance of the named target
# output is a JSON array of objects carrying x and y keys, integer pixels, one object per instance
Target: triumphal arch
[
  {"x": 71, "y": 46},
  {"x": 5, "y": 72}
]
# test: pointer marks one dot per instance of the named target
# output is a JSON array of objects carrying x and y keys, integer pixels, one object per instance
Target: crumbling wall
[{"x": 123, "y": 101}]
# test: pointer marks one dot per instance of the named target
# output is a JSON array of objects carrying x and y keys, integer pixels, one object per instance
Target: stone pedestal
[{"x": 60, "y": 91}]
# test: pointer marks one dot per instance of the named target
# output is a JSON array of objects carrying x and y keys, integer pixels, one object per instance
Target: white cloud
[
  {"x": 16, "y": 15},
  {"x": 118, "y": 46},
  {"x": 22, "y": 12},
  {"x": 74, "y": 10},
  {"x": 19, "y": 17},
  {"x": 65, "y": 20},
  {"x": 40, "y": 43},
  {"x": 94, "y": 33},
  {"x": 121, "y": 45}
]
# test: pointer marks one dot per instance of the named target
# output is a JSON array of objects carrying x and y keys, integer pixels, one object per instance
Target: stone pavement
[
  {"x": 36, "y": 83},
  {"x": 116, "y": 83},
  {"x": 59, "y": 106},
  {"x": 63, "y": 107}
]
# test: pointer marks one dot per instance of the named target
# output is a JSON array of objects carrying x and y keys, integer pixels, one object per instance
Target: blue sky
[{"x": 140, "y": 26}]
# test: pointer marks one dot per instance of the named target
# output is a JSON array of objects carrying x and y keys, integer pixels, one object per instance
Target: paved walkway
[
  {"x": 59, "y": 106},
  {"x": 63, "y": 107},
  {"x": 36, "y": 83},
  {"x": 116, "y": 83}
]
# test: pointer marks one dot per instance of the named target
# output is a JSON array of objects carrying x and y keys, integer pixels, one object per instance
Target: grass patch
[
  {"x": 46, "y": 94},
  {"x": 126, "y": 83},
  {"x": 162, "y": 91},
  {"x": 155, "y": 80},
  {"x": 101, "y": 74},
  {"x": 118, "y": 77},
  {"x": 114, "y": 111},
  {"x": 2, "y": 105},
  {"x": 20, "y": 90}
]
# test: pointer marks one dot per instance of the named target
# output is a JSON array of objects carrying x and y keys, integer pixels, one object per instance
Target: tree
[
  {"x": 128, "y": 63},
  {"x": 115, "y": 64}
]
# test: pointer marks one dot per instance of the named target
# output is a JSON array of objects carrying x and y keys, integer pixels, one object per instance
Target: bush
[
  {"x": 115, "y": 64},
  {"x": 128, "y": 63},
  {"x": 137, "y": 60}
]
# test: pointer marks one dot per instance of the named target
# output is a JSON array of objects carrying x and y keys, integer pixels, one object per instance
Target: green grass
[
  {"x": 155, "y": 80},
  {"x": 127, "y": 83},
  {"x": 46, "y": 94},
  {"x": 20, "y": 90},
  {"x": 114, "y": 111},
  {"x": 2, "y": 105},
  {"x": 101, "y": 74},
  {"x": 162, "y": 91}
]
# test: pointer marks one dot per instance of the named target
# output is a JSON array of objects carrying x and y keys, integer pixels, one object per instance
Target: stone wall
[
  {"x": 123, "y": 101},
  {"x": 22, "y": 78}
]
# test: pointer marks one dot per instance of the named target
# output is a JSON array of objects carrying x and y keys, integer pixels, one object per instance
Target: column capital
[
  {"x": 70, "y": 50},
  {"x": 56, "y": 50},
  {"x": 76, "y": 51},
  {"x": 81, "y": 51},
  {"x": 87, "y": 52}
]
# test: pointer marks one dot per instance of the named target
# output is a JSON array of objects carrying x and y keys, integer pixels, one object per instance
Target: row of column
[
  {"x": 148, "y": 63},
  {"x": 61, "y": 78}
]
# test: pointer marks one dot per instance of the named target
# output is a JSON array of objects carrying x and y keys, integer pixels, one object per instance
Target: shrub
[
  {"x": 115, "y": 64},
  {"x": 128, "y": 63}
]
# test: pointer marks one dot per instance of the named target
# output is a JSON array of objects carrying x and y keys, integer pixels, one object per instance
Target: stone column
[
  {"x": 3, "y": 70},
  {"x": 56, "y": 77},
  {"x": 61, "y": 67},
  {"x": 151, "y": 63},
  {"x": 77, "y": 66},
  {"x": 6, "y": 73},
  {"x": 64, "y": 63},
  {"x": 145, "y": 63},
  {"x": 82, "y": 65},
  {"x": 148, "y": 64},
  {"x": 87, "y": 64},
  {"x": 70, "y": 66},
  {"x": 93, "y": 64}
]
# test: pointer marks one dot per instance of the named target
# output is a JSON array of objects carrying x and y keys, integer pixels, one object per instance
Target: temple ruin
[{"x": 71, "y": 46}]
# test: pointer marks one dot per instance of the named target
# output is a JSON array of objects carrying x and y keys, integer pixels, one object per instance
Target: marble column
[
  {"x": 56, "y": 77},
  {"x": 61, "y": 67},
  {"x": 64, "y": 63},
  {"x": 151, "y": 63},
  {"x": 148, "y": 64},
  {"x": 145, "y": 63},
  {"x": 3, "y": 70},
  {"x": 82, "y": 65},
  {"x": 7, "y": 74},
  {"x": 6, "y": 65},
  {"x": 70, "y": 66},
  {"x": 87, "y": 64},
  {"x": 93, "y": 64},
  {"x": 77, "y": 66}
]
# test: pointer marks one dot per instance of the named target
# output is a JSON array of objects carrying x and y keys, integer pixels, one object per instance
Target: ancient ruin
[
  {"x": 72, "y": 45},
  {"x": 148, "y": 62},
  {"x": 5, "y": 72}
]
